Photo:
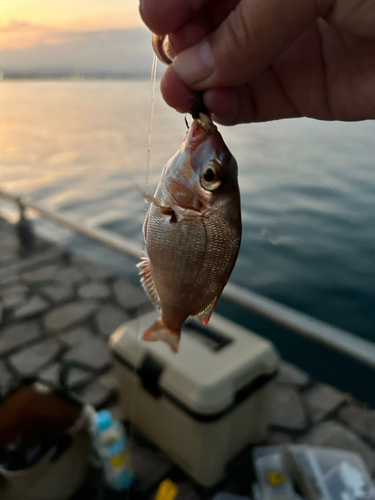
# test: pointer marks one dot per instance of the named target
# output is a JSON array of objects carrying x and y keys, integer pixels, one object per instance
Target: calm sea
[{"x": 307, "y": 191}]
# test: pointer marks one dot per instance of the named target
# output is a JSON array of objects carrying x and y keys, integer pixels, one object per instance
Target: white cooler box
[{"x": 204, "y": 404}]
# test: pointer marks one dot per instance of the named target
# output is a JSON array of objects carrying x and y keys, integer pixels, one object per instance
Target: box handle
[
  {"x": 213, "y": 339},
  {"x": 149, "y": 373}
]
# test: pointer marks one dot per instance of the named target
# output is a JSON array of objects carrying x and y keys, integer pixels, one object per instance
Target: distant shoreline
[{"x": 71, "y": 77}]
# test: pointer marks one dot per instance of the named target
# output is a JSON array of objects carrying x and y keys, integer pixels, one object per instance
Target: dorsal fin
[
  {"x": 147, "y": 282},
  {"x": 205, "y": 315}
]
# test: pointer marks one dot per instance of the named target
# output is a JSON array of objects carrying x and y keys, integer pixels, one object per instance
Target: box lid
[{"x": 206, "y": 376}]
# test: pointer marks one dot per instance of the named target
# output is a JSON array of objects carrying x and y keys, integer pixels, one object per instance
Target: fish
[{"x": 192, "y": 232}]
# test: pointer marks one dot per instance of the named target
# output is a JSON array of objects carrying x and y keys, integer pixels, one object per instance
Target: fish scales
[{"x": 192, "y": 233}]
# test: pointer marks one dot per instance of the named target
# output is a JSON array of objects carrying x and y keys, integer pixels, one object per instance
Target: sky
[
  {"x": 28, "y": 22},
  {"x": 72, "y": 35}
]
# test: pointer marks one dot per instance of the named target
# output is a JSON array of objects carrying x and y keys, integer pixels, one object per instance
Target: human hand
[{"x": 259, "y": 60}]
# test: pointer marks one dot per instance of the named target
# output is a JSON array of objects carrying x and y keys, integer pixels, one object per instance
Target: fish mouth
[
  {"x": 183, "y": 184},
  {"x": 199, "y": 132}
]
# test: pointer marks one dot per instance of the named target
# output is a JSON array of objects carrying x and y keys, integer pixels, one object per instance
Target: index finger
[
  {"x": 167, "y": 16},
  {"x": 200, "y": 25}
]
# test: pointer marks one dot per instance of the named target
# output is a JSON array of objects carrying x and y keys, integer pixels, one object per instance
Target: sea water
[{"x": 307, "y": 188}]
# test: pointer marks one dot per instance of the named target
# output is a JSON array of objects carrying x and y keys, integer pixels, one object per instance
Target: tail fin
[{"x": 158, "y": 331}]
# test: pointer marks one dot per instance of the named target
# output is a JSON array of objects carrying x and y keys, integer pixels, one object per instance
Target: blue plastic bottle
[{"x": 111, "y": 445}]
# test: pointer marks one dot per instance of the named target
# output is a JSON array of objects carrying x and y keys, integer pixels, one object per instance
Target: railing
[{"x": 340, "y": 340}]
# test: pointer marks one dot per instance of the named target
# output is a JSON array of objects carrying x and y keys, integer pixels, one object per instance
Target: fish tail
[{"x": 159, "y": 331}]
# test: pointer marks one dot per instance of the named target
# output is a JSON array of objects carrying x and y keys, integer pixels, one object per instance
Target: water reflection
[{"x": 307, "y": 186}]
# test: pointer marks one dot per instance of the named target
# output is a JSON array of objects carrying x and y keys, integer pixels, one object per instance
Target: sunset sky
[
  {"x": 89, "y": 36},
  {"x": 24, "y": 23}
]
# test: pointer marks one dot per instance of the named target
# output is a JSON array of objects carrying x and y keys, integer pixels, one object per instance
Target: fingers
[
  {"x": 245, "y": 44},
  {"x": 355, "y": 16},
  {"x": 167, "y": 16},
  {"x": 261, "y": 100},
  {"x": 218, "y": 10},
  {"x": 175, "y": 92},
  {"x": 193, "y": 32},
  {"x": 202, "y": 24},
  {"x": 295, "y": 86},
  {"x": 321, "y": 52}
]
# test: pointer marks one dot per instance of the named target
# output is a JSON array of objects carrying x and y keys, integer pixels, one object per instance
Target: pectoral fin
[
  {"x": 205, "y": 315},
  {"x": 164, "y": 209},
  {"x": 147, "y": 282}
]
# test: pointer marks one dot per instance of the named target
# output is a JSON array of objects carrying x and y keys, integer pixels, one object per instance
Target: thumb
[{"x": 247, "y": 42}]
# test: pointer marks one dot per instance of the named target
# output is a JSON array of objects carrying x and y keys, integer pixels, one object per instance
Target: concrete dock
[{"x": 57, "y": 307}]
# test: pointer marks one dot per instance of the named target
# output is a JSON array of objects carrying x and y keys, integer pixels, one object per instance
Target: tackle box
[{"x": 203, "y": 404}]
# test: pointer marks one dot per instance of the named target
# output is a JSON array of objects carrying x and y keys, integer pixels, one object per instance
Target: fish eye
[{"x": 211, "y": 176}]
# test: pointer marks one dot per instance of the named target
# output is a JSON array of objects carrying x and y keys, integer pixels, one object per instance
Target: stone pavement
[{"x": 56, "y": 307}]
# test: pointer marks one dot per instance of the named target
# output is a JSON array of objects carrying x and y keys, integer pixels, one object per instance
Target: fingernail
[{"x": 196, "y": 64}]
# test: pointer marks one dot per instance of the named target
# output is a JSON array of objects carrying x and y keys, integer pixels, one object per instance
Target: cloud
[
  {"x": 14, "y": 26},
  {"x": 21, "y": 34},
  {"x": 110, "y": 52}
]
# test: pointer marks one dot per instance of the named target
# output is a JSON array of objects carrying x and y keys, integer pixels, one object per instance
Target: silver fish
[{"x": 192, "y": 232}]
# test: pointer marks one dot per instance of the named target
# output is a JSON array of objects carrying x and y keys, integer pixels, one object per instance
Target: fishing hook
[{"x": 165, "y": 53}]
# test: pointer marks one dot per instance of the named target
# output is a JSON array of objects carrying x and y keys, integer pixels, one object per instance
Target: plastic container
[
  {"x": 203, "y": 404},
  {"x": 329, "y": 474},
  {"x": 110, "y": 442},
  {"x": 317, "y": 473},
  {"x": 274, "y": 481}
]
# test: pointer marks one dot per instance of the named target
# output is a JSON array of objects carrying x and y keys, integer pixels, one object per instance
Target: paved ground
[{"x": 56, "y": 307}]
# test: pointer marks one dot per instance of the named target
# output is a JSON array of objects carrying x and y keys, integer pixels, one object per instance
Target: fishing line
[
  {"x": 148, "y": 165},
  {"x": 147, "y": 175}
]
